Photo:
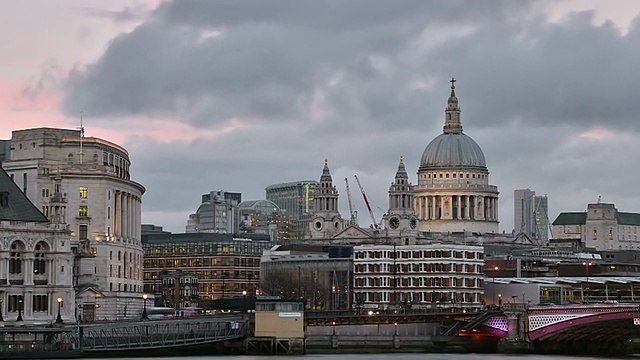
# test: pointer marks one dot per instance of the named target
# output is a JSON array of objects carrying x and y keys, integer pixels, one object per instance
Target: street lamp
[
  {"x": 499, "y": 299},
  {"x": 59, "y": 318},
  {"x": 144, "y": 307},
  {"x": 244, "y": 300},
  {"x": 19, "y": 318},
  {"x": 586, "y": 266},
  {"x": 493, "y": 284}
]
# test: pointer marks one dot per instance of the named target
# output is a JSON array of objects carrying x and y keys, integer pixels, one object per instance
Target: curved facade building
[
  {"x": 453, "y": 192},
  {"x": 85, "y": 182}
]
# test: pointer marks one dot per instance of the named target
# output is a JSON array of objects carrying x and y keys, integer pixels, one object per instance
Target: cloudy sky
[{"x": 238, "y": 95}]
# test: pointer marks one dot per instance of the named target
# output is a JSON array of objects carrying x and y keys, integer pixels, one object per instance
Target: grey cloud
[
  {"x": 127, "y": 14},
  {"x": 265, "y": 63},
  {"x": 526, "y": 85}
]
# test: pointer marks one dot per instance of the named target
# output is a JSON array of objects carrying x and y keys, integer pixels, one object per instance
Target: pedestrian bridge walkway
[{"x": 159, "y": 334}]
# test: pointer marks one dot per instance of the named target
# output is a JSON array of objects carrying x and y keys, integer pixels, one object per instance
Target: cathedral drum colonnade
[{"x": 453, "y": 192}]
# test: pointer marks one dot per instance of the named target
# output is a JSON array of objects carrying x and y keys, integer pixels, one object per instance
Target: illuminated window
[
  {"x": 83, "y": 211},
  {"x": 83, "y": 192}
]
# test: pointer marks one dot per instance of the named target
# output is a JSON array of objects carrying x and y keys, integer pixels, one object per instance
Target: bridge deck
[{"x": 116, "y": 336}]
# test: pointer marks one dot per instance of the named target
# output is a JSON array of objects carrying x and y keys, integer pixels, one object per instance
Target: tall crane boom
[
  {"x": 354, "y": 220},
  {"x": 366, "y": 201}
]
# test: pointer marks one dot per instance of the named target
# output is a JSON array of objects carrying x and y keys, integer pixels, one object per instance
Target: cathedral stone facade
[{"x": 453, "y": 192}]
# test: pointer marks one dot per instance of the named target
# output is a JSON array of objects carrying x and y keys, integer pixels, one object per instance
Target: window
[
  {"x": 15, "y": 303},
  {"x": 39, "y": 263},
  {"x": 83, "y": 192},
  {"x": 45, "y": 211},
  {"x": 83, "y": 232},
  {"x": 15, "y": 258},
  {"x": 83, "y": 211},
  {"x": 40, "y": 303},
  {"x": 24, "y": 183}
]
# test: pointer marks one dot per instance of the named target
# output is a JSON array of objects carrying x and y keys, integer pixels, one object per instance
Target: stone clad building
[
  {"x": 453, "y": 192},
  {"x": 36, "y": 262},
  {"x": 601, "y": 227},
  {"x": 85, "y": 182}
]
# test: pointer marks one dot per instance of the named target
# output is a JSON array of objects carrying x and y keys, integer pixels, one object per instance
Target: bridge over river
[
  {"x": 594, "y": 328},
  {"x": 85, "y": 339}
]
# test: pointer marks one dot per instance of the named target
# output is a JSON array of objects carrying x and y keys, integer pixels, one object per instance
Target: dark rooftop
[{"x": 14, "y": 204}]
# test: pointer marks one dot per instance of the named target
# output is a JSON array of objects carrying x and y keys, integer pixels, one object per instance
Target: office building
[
  {"x": 217, "y": 213},
  {"x": 297, "y": 199},
  {"x": 530, "y": 214},
  {"x": 85, "y": 182},
  {"x": 264, "y": 217},
  {"x": 601, "y": 227},
  {"x": 224, "y": 265}
]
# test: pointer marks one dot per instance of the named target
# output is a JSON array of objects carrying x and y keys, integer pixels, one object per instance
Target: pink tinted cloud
[
  {"x": 19, "y": 112},
  {"x": 596, "y": 134}
]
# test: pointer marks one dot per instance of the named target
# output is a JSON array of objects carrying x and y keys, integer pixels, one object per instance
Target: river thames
[{"x": 395, "y": 356}]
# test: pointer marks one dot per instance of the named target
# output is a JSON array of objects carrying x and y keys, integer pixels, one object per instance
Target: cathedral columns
[
  {"x": 491, "y": 203},
  {"x": 487, "y": 208},
  {"x": 433, "y": 208},
  {"x": 466, "y": 208},
  {"x": 459, "y": 208},
  {"x": 480, "y": 207}
]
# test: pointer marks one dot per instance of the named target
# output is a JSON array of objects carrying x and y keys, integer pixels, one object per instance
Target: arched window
[
  {"x": 15, "y": 257},
  {"x": 119, "y": 256},
  {"x": 39, "y": 263}
]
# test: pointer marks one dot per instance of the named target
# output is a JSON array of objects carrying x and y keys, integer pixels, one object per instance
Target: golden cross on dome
[{"x": 453, "y": 86}]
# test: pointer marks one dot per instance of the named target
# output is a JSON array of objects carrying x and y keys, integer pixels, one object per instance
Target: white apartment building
[
  {"x": 424, "y": 275},
  {"x": 35, "y": 262},
  {"x": 85, "y": 183}
]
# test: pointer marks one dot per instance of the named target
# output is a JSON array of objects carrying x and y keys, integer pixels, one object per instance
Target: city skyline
[{"x": 249, "y": 96}]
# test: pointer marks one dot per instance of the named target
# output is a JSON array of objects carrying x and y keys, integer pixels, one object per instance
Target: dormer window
[{"x": 4, "y": 199}]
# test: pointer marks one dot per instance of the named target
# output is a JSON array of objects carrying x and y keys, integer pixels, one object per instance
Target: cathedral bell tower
[
  {"x": 400, "y": 220},
  {"x": 326, "y": 221}
]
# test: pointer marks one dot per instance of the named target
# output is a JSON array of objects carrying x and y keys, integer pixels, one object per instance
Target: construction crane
[
  {"x": 366, "y": 201},
  {"x": 353, "y": 213}
]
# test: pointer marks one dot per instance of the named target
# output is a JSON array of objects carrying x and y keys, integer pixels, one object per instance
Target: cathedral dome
[{"x": 452, "y": 150}]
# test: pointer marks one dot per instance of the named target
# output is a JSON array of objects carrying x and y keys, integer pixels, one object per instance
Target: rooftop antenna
[{"x": 81, "y": 136}]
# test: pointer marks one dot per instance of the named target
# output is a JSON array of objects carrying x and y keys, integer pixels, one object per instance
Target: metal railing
[{"x": 159, "y": 334}]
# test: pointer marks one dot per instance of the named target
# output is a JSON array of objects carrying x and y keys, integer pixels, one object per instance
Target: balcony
[{"x": 58, "y": 198}]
